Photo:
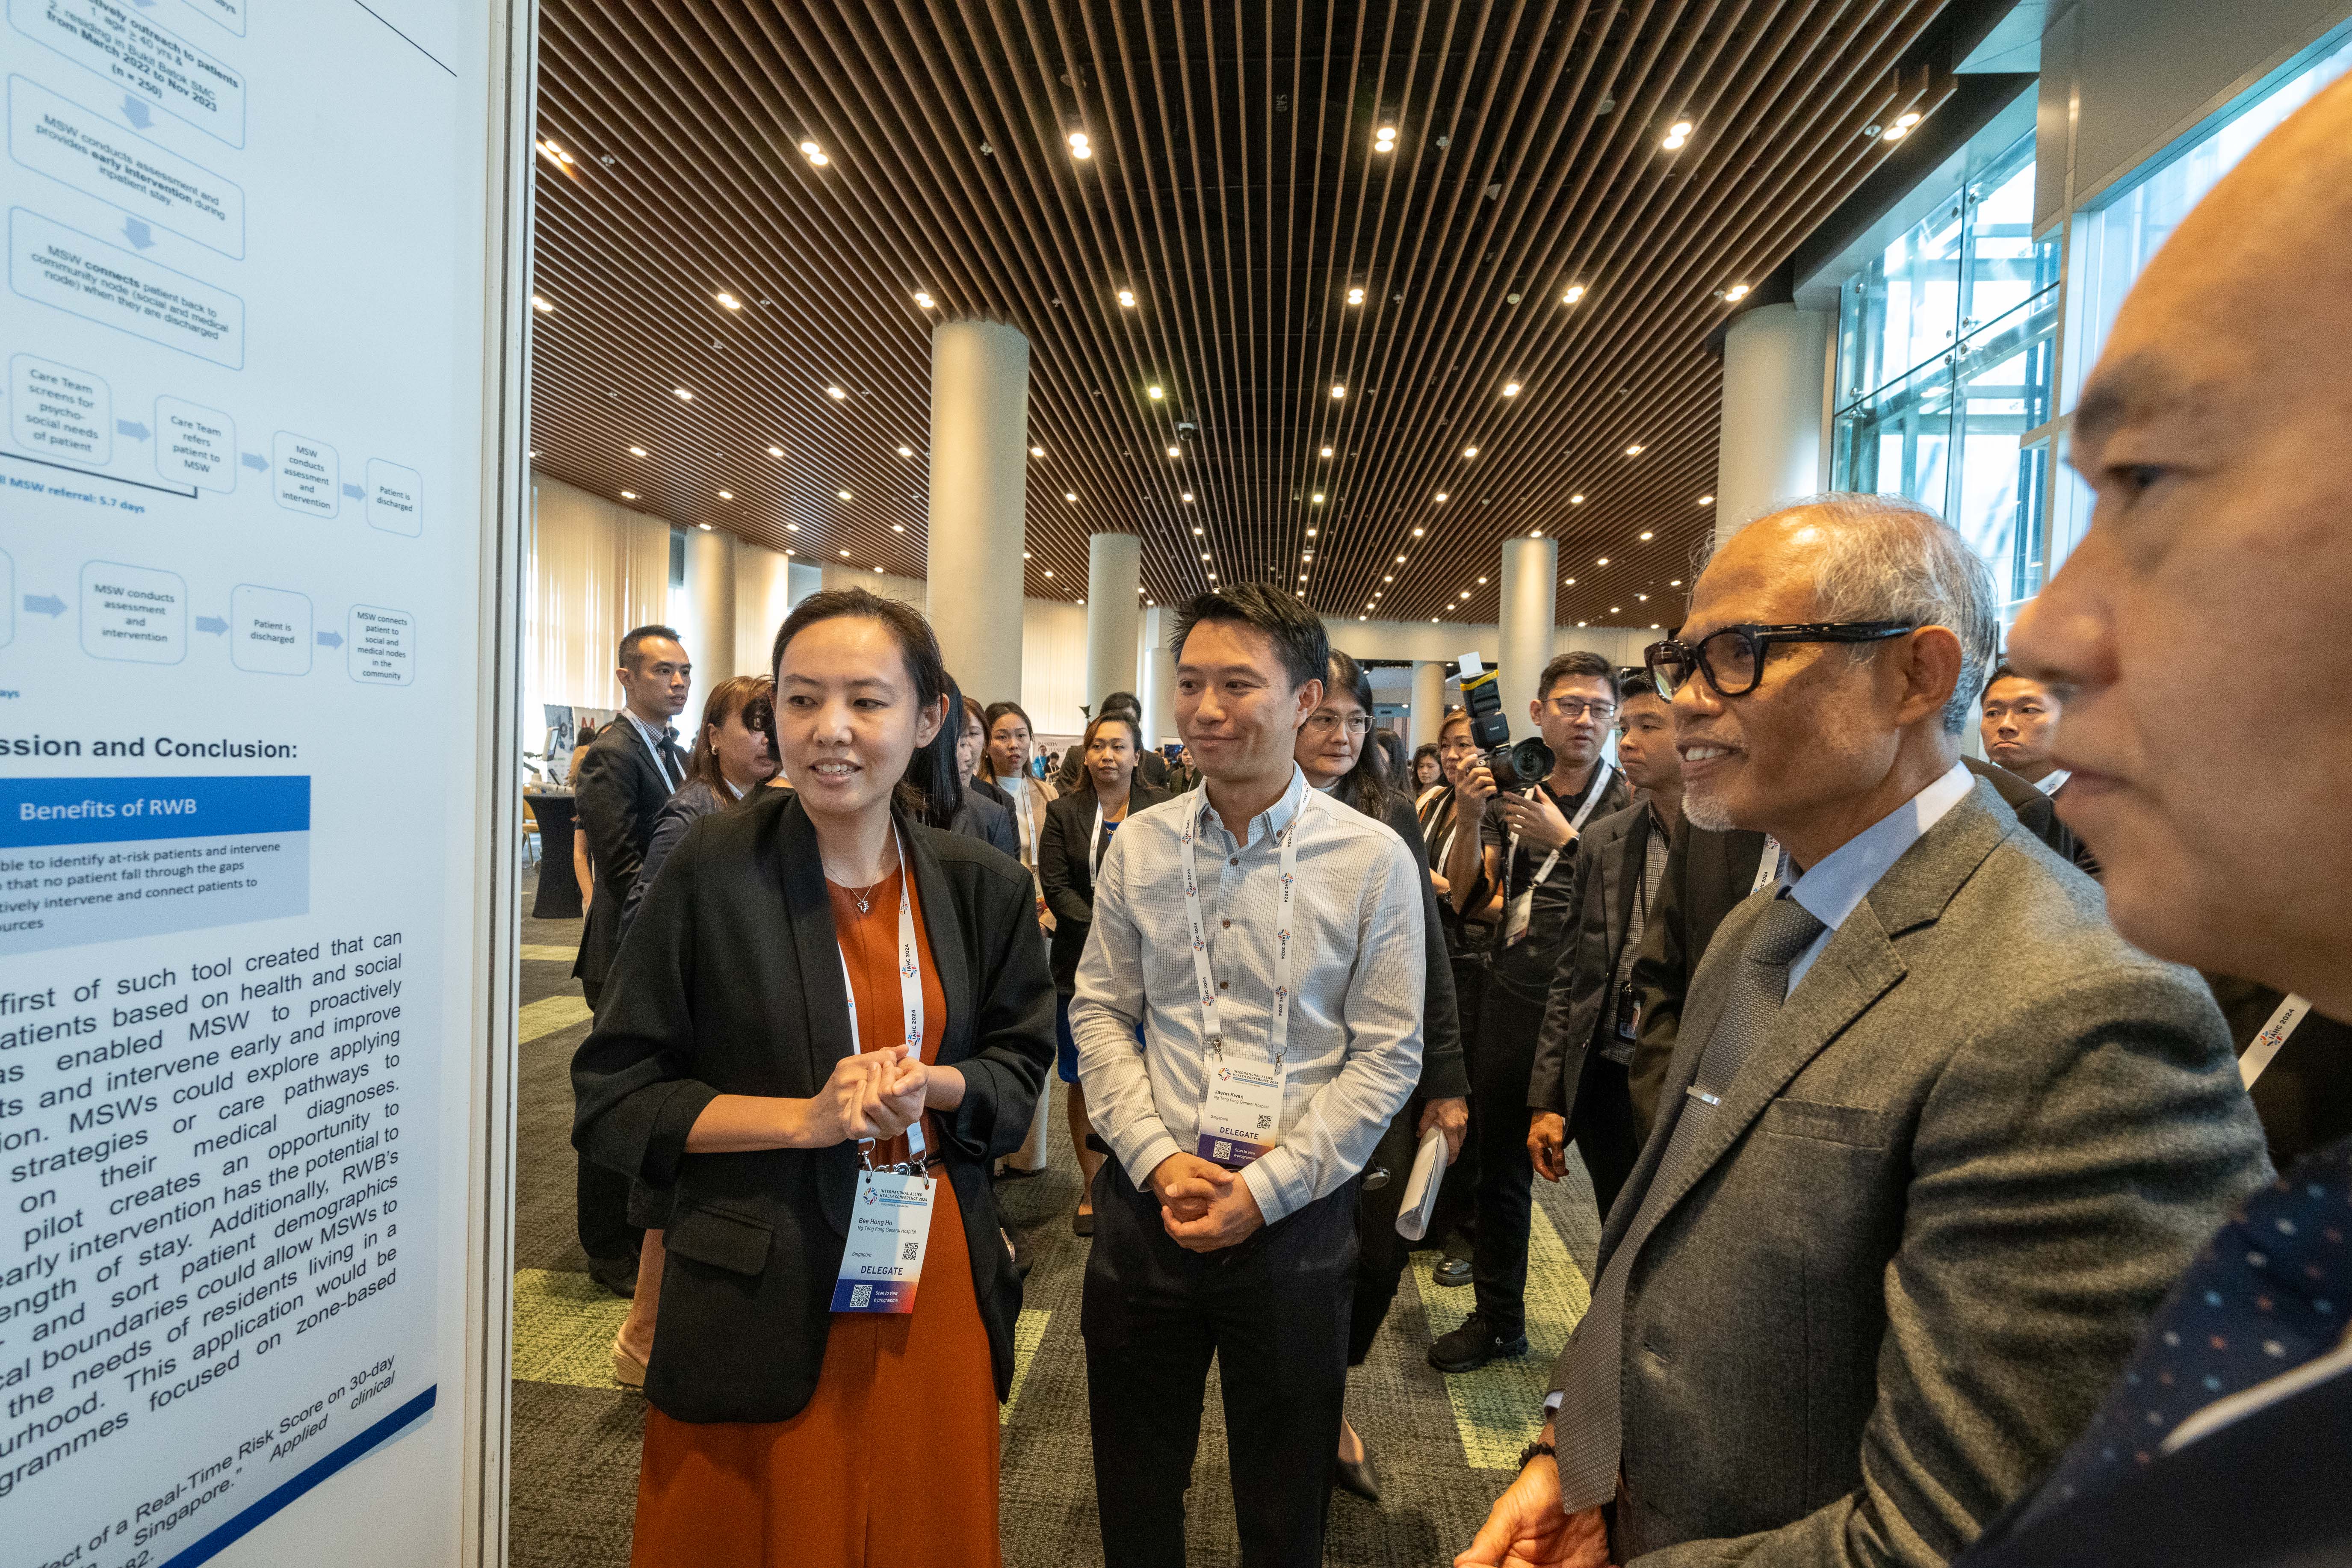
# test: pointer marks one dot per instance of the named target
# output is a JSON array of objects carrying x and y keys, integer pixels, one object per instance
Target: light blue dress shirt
[{"x": 1835, "y": 889}]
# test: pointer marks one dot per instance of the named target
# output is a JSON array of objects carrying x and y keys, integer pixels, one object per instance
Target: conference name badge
[
  {"x": 1239, "y": 1116},
  {"x": 889, "y": 1226}
]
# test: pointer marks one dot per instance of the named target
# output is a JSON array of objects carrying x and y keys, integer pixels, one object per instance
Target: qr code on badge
[
  {"x": 906, "y": 1252},
  {"x": 1223, "y": 1151},
  {"x": 860, "y": 1298}
]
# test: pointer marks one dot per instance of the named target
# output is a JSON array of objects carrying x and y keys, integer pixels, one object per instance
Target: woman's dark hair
[
  {"x": 1085, "y": 785},
  {"x": 754, "y": 697},
  {"x": 920, "y": 650},
  {"x": 1427, "y": 750},
  {"x": 1393, "y": 770},
  {"x": 1297, "y": 634},
  {"x": 931, "y": 789},
  {"x": 1361, "y": 786},
  {"x": 988, "y": 718}
]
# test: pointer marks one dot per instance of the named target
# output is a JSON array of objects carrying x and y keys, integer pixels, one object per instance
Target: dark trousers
[
  {"x": 1604, "y": 1130},
  {"x": 1380, "y": 1252},
  {"x": 603, "y": 1195},
  {"x": 1273, "y": 1311},
  {"x": 1508, "y": 1026},
  {"x": 1454, "y": 1227}
]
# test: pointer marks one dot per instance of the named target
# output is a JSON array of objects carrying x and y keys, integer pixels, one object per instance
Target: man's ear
[
  {"x": 1932, "y": 657},
  {"x": 1310, "y": 698}
]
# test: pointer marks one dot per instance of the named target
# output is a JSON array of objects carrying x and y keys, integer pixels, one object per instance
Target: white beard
[{"x": 1707, "y": 811}]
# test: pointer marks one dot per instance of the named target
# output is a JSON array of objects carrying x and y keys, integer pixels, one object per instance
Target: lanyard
[
  {"x": 2052, "y": 782},
  {"x": 1767, "y": 865},
  {"x": 1212, "y": 1031},
  {"x": 2282, "y": 1020},
  {"x": 1020, "y": 793},
  {"x": 910, "y": 997},
  {"x": 1575, "y": 825},
  {"x": 1096, "y": 847},
  {"x": 654, "y": 750}
]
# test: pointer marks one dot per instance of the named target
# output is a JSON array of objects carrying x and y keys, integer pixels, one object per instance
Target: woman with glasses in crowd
[
  {"x": 1336, "y": 752},
  {"x": 825, "y": 1001},
  {"x": 1078, "y": 829},
  {"x": 1008, "y": 760}
]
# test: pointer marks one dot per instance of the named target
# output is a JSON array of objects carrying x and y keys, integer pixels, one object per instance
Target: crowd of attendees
[{"x": 1968, "y": 1137}]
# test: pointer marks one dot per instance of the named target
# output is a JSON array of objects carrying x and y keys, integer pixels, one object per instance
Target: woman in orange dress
[{"x": 826, "y": 1001}]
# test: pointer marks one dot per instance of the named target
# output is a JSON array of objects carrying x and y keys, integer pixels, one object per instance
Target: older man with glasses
[{"x": 1934, "y": 1139}]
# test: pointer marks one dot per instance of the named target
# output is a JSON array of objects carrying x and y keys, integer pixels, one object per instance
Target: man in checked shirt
[{"x": 1268, "y": 940}]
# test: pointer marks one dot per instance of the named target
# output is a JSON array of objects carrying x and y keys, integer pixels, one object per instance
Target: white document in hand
[{"x": 1420, "y": 1199}]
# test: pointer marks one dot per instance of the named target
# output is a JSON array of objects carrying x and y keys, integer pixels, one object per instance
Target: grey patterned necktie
[{"x": 1588, "y": 1431}]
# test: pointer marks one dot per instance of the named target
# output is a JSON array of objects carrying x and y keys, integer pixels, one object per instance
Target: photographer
[{"x": 1517, "y": 864}]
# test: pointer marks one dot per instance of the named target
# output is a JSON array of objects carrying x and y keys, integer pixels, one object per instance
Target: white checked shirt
[{"x": 1357, "y": 975}]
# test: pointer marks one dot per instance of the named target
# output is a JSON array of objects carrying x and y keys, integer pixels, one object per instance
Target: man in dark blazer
[
  {"x": 1935, "y": 1138},
  {"x": 2212, "y": 437},
  {"x": 1579, "y": 1092},
  {"x": 626, "y": 779},
  {"x": 1706, "y": 876}
]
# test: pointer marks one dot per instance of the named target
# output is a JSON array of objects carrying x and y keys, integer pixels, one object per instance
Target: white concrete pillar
[
  {"x": 1159, "y": 693},
  {"x": 980, "y": 459},
  {"x": 1531, "y": 585},
  {"x": 1114, "y": 567},
  {"x": 709, "y": 624},
  {"x": 1775, "y": 385},
  {"x": 1428, "y": 701}
]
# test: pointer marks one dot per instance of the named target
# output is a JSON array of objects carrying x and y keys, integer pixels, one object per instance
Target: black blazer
[
  {"x": 1444, "y": 1073},
  {"x": 1066, "y": 872},
  {"x": 1606, "y": 882},
  {"x": 1707, "y": 874},
  {"x": 981, "y": 818},
  {"x": 731, "y": 983},
  {"x": 620, "y": 796},
  {"x": 693, "y": 802}
]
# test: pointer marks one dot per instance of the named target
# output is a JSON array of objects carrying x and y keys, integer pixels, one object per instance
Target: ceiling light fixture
[
  {"x": 556, "y": 153},
  {"x": 1080, "y": 147},
  {"x": 1603, "y": 560},
  {"x": 898, "y": 528},
  {"x": 1575, "y": 293},
  {"x": 1419, "y": 532},
  {"x": 906, "y": 451},
  {"x": 628, "y": 495},
  {"x": 836, "y": 393},
  {"x": 1339, "y": 389},
  {"x": 1635, "y": 450},
  {"x": 791, "y": 528},
  {"x": 1036, "y": 451},
  {"x": 1674, "y": 583},
  {"x": 1576, "y": 501},
  {"x": 1326, "y": 452},
  {"x": 726, "y": 495},
  {"x": 1510, "y": 389},
  {"x": 704, "y": 526},
  {"x": 1069, "y": 495},
  {"x": 1317, "y": 499},
  {"x": 1441, "y": 498},
  {"x": 1188, "y": 499},
  {"x": 1647, "y": 535},
  {"x": 1310, "y": 533},
  {"x": 1678, "y": 134},
  {"x": 1174, "y": 452},
  {"x": 1469, "y": 451},
  {"x": 1706, "y": 501},
  {"x": 1355, "y": 296},
  {"x": 1049, "y": 570},
  {"x": 1736, "y": 292},
  {"x": 843, "y": 494},
  {"x": 1384, "y": 139},
  {"x": 1155, "y": 393},
  {"x": 924, "y": 299},
  {"x": 636, "y": 451},
  {"x": 539, "y": 303},
  {"x": 681, "y": 394},
  {"x": 1127, "y": 299},
  {"x": 724, "y": 297}
]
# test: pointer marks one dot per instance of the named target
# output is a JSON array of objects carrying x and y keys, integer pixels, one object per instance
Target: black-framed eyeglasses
[{"x": 1732, "y": 658}]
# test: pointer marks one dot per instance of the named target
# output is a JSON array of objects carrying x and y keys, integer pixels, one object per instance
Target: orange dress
[{"x": 893, "y": 1460}]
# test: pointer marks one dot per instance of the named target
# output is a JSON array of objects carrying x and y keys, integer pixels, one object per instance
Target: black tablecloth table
[{"x": 559, "y": 889}]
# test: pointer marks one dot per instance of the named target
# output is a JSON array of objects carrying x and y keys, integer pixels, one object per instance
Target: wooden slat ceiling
[{"x": 1237, "y": 190}]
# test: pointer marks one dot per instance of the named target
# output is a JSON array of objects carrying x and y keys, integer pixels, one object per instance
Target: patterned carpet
[{"x": 1443, "y": 1446}]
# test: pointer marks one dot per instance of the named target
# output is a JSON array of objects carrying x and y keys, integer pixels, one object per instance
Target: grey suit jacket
[{"x": 1930, "y": 1216}]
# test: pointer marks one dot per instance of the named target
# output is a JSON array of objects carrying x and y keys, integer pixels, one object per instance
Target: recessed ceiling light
[
  {"x": 789, "y": 553},
  {"x": 1173, "y": 452},
  {"x": 906, "y": 451},
  {"x": 924, "y": 299},
  {"x": 1643, "y": 598},
  {"x": 1603, "y": 561},
  {"x": 1399, "y": 560},
  {"x": 636, "y": 451},
  {"x": 845, "y": 555},
  {"x": 1481, "y": 582},
  {"x": 1212, "y": 576},
  {"x": 1049, "y": 570},
  {"x": 1441, "y": 498},
  {"x": 836, "y": 394},
  {"x": 791, "y": 528},
  {"x": 1326, "y": 452},
  {"x": 1469, "y": 451},
  {"x": 1706, "y": 501},
  {"x": 898, "y": 528},
  {"x": 554, "y": 152},
  {"x": 1388, "y": 577},
  {"x": 1907, "y": 118},
  {"x": 775, "y": 451},
  {"x": 1310, "y": 533},
  {"x": 1535, "y": 533},
  {"x": 1025, "y": 556},
  {"x": 843, "y": 494},
  {"x": 1204, "y": 555},
  {"x": 1069, "y": 495},
  {"x": 1188, "y": 496},
  {"x": 1635, "y": 450},
  {"x": 1156, "y": 393},
  {"x": 1646, "y": 534},
  {"x": 628, "y": 495},
  {"x": 1736, "y": 293},
  {"x": 1307, "y": 556},
  {"x": 1569, "y": 583},
  {"x": 1433, "y": 620},
  {"x": 538, "y": 302},
  {"x": 1127, "y": 299},
  {"x": 1575, "y": 293},
  {"x": 1080, "y": 147},
  {"x": 1355, "y": 296},
  {"x": 681, "y": 394},
  {"x": 1510, "y": 389},
  {"x": 704, "y": 526},
  {"x": 1674, "y": 583},
  {"x": 1576, "y": 501},
  {"x": 1317, "y": 498},
  {"x": 1419, "y": 532},
  {"x": 1580, "y": 622},
  {"x": 1613, "y": 610},
  {"x": 724, "y": 297},
  {"x": 1339, "y": 389},
  {"x": 726, "y": 495}
]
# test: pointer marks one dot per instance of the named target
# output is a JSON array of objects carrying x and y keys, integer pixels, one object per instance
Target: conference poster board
[{"x": 259, "y": 478}]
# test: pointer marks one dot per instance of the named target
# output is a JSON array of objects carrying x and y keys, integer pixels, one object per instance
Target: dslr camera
[{"x": 1519, "y": 766}]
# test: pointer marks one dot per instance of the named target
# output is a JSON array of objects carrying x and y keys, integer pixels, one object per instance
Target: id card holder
[
  {"x": 1629, "y": 1012},
  {"x": 889, "y": 1226},
  {"x": 1240, "y": 1114},
  {"x": 1514, "y": 920}
]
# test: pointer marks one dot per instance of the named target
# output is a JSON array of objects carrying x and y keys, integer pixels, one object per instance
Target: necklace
[{"x": 862, "y": 895}]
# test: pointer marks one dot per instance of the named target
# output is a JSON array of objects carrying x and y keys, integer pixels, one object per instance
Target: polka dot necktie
[{"x": 2268, "y": 1293}]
